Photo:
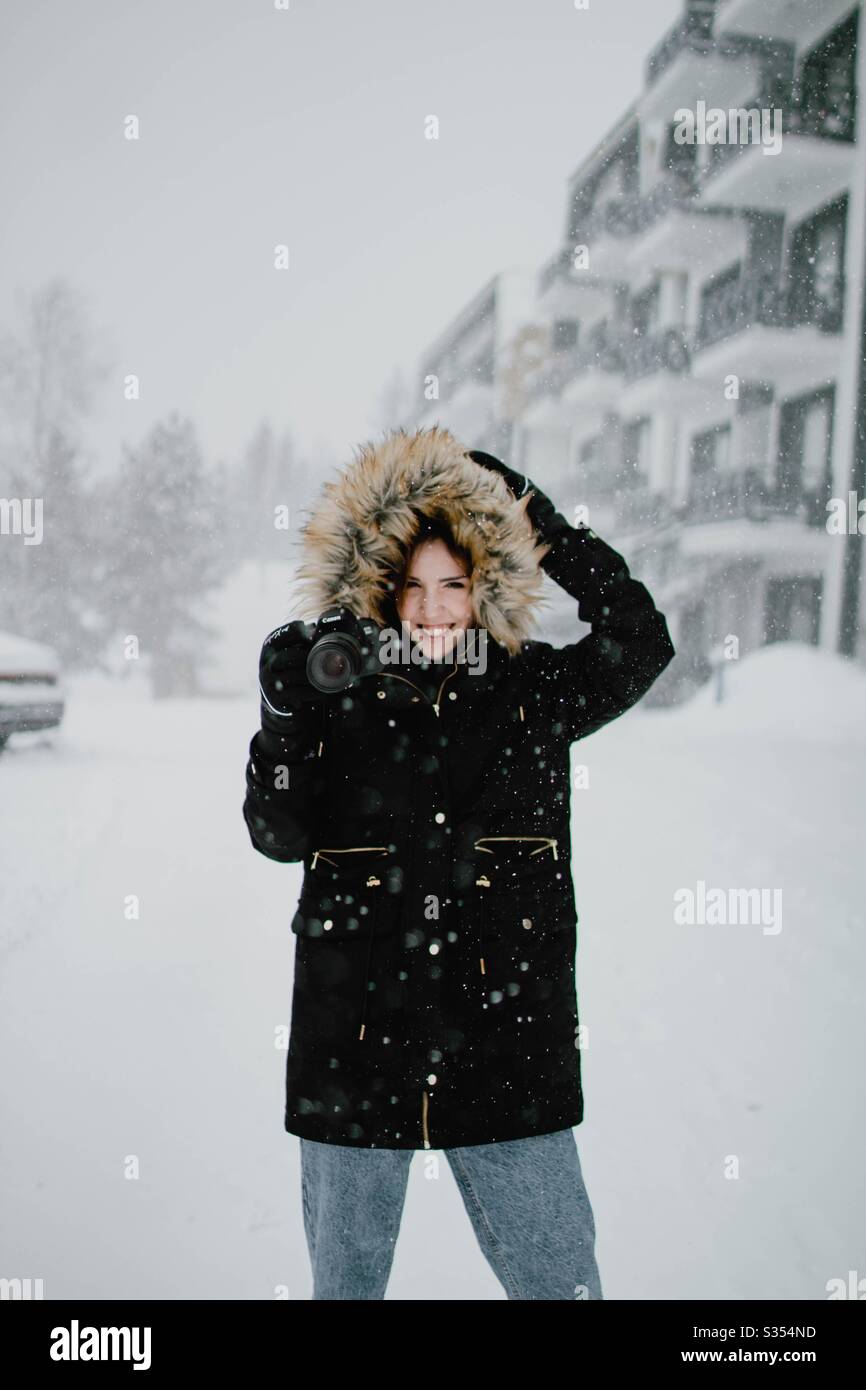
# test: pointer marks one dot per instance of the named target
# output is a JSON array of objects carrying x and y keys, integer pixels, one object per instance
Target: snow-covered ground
[{"x": 724, "y": 1132}]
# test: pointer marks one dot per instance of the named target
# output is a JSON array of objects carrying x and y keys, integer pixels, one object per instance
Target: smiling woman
[
  {"x": 434, "y": 590},
  {"x": 434, "y": 1002}
]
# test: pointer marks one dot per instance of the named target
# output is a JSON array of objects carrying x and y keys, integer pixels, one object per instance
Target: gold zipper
[
  {"x": 442, "y": 687},
  {"x": 355, "y": 849},
  {"x": 425, "y": 1100},
  {"x": 435, "y": 703},
  {"x": 549, "y": 843},
  {"x": 482, "y": 882}
]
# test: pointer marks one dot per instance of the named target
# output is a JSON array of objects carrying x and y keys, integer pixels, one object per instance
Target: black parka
[{"x": 434, "y": 999}]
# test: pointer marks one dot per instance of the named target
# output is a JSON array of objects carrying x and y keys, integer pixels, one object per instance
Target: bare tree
[{"x": 49, "y": 373}]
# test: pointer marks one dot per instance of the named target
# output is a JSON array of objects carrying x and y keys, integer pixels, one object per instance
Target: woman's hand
[
  {"x": 546, "y": 520},
  {"x": 516, "y": 481},
  {"x": 283, "y": 669}
]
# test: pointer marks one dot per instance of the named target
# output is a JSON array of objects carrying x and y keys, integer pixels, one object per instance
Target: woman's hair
[{"x": 429, "y": 529}]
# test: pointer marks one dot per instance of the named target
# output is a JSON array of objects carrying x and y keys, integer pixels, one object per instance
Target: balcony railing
[
  {"x": 751, "y": 298},
  {"x": 603, "y": 348},
  {"x": 693, "y": 33},
  {"x": 747, "y": 494},
  {"x": 754, "y": 298},
  {"x": 631, "y": 213},
  {"x": 639, "y": 507},
  {"x": 665, "y": 351},
  {"x": 552, "y": 374},
  {"x": 757, "y": 298},
  {"x": 798, "y": 118}
]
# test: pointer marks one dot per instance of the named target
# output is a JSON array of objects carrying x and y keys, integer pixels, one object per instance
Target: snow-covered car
[{"x": 31, "y": 689}]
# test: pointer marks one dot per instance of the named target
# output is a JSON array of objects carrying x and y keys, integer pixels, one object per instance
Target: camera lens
[
  {"x": 333, "y": 662},
  {"x": 333, "y": 666}
]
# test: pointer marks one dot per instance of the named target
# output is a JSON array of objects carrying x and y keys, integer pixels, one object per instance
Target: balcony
[
  {"x": 563, "y": 378},
  {"x": 668, "y": 226},
  {"x": 657, "y": 374},
  {"x": 815, "y": 161},
  {"x": 783, "y": 19},
  {"x": 759, "y": 329},
  {"x": 466, "y": 393},
  {"x": 631, "y": 213},
  {"x": 688, "y": 60},
  {"x": 593, "y": 372},
  {"x": 665, "y": 351},
  {"x": 543, "y": 406},
  {"x": 639, "y": 509},
  {"x": 693, "y": 33},
  {"x": 748, "y": 495},
  {"x": 677, "y": 227},
  {"x": 564, "y": 292},
  {"x": 609, "y": 229},
  {"x": 605, "y": 230}
]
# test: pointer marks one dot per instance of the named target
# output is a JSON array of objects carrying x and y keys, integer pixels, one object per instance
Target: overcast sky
[{"x": 262, "y": 126}]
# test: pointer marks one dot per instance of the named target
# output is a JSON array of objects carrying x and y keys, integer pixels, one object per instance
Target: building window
[
  {"x": 618, "y": 175},
  {"x": 816, "y": 269},
  {"x": 752, "y": 440},
  {"x": 803, "y": 475},
  {"x": 635, "y": 445},
  {"x": 645, "y": 310},
  {"x": 711, "y": 453},
  {"x": 828, "y": 83},
  {"x": 792, "y": 610},
  {"x": 720, "y": 304},
  {"x": 712, "y": 495},
  {"x": 680, "y": 159},
  {"x": 589, "y": 455},
  {"x": 591, "y": 466}
]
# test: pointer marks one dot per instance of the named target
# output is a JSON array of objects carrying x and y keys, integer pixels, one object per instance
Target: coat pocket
[
  {"x": 522, "y": 884},
  {"x": 348, "y": 990},
  {"x": 349, "y": 891},
  {"x": 525, "y": 912},
  {"x": 523, "y": 947},
  {"x": 518, "y": 846},
  {"x": 514, "y": 862}
]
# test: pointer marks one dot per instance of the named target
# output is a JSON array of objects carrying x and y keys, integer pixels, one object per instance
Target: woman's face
[{"x": 436, "y": 599}]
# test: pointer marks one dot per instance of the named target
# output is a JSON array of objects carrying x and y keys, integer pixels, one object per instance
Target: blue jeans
[{"x": 525, "y": 1198}]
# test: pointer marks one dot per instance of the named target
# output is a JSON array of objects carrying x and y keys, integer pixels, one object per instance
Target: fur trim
[{"x": 356, "y": 536}]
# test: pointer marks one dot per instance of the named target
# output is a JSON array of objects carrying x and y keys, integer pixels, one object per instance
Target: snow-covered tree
[
  {"x": 48, "y": 377},
  {"x": 167, "y": 552}
]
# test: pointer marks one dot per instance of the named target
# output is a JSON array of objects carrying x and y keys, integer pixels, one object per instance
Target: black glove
[
  {"x": 546, "y": 520},
  {"x": 283, "y": 670}
]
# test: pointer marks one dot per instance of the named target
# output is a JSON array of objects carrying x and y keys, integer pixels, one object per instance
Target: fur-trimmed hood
[{"x": 357, "y": 534}]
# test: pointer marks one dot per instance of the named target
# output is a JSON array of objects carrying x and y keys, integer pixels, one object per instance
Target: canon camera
[{"x": 344, "y": 649}]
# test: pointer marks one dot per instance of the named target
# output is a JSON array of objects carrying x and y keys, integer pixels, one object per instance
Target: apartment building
[{"x": 689, "y": 372}]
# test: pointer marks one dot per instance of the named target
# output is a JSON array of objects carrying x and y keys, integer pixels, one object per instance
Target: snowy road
[{"x": 151, "y": 1041}]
